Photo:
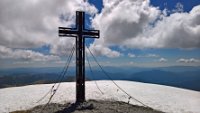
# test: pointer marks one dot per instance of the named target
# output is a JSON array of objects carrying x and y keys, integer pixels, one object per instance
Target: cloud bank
[
  {"x": 137, "y": 24},
  {"x": 190, "y": 60},
  {"x": 122, "y": 23},
  {"x": 31, "y": 24},
  {"x": 25, "y": 55}
]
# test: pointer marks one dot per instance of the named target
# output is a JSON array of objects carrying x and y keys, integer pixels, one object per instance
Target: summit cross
[{"x": 80, "y": 33}]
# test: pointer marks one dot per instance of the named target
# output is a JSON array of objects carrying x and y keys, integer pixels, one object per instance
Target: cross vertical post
[
  {"x": 80, "y": 61},
  {"x": 80, "y": 33}
]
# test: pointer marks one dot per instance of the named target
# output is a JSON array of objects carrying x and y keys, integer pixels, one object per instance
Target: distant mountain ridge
[
  {"x": 188, "y": 80},
  {"x": 178, "y": 76}
]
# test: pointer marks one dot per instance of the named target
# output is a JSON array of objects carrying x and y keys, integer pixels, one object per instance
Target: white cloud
[
  {"x": 101, "y": 50},
  {"x": 179, "y": 7},
  {"x": 152, "y": 55},
  {"x": 131, "y": 55},
  {"x": 22, "y": 62},
  {"x": 162, "y": 60},
  {"x": 34, "y": 23},
  {"x": 191, "y": 60},
  {"x": 149, "y": 56},
  {"x": 120, "y": 20},
  {"x": 62, "y": 46},
  {"x": 25, "y": 55},
  {"x": 137, "y": 24},
  {"x": 179, "y": 30},
  {"x": 128, "y": 23}
]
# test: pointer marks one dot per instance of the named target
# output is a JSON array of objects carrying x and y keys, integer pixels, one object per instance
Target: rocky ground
[{"x": 91, "y": 106}]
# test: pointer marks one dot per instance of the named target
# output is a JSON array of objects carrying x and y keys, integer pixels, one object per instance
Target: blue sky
[
  {"x": 170, "y": 4},
  {"x": 149, "y": 33}
]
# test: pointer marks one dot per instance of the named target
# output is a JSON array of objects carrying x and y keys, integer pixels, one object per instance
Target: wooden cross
[{"x": 80, "y": 33}]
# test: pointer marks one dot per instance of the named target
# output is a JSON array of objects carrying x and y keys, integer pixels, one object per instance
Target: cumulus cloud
[
  {"x": 121, "y": 20},
  {"x": 31, "y": 24},
  {"x": 62, "y": 46},
  {"x": 179, "y": 7},
  {"x": 25, "y": 55},
  {"x": 101, "y": 50},
  {"x": 191, "y": 60},
  {"x": 162, "y": 60},
  {"x": 137, "y": 24},
  {"x": 149, "y": 55},
  {"x": 131, "y": 55},
  {"x": 152, "y": 55},
  {"x": 28, "y": 24},
  {"x": 179, "y": 30},
  {"x": 127, "y": 23}
]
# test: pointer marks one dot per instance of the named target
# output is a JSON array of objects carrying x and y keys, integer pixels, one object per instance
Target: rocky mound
[{"x": 91, "y": 106}]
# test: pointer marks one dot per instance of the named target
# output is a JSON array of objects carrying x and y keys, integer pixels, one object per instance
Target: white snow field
[{"x": 164, "y": 98}]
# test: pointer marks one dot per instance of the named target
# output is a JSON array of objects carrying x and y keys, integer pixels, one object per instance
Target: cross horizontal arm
[
  {"x": 67, "y": 32},
  {"x": 91, "y": 33}
]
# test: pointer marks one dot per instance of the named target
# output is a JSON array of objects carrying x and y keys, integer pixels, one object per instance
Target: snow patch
[{"x": 159, "y": 97}]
